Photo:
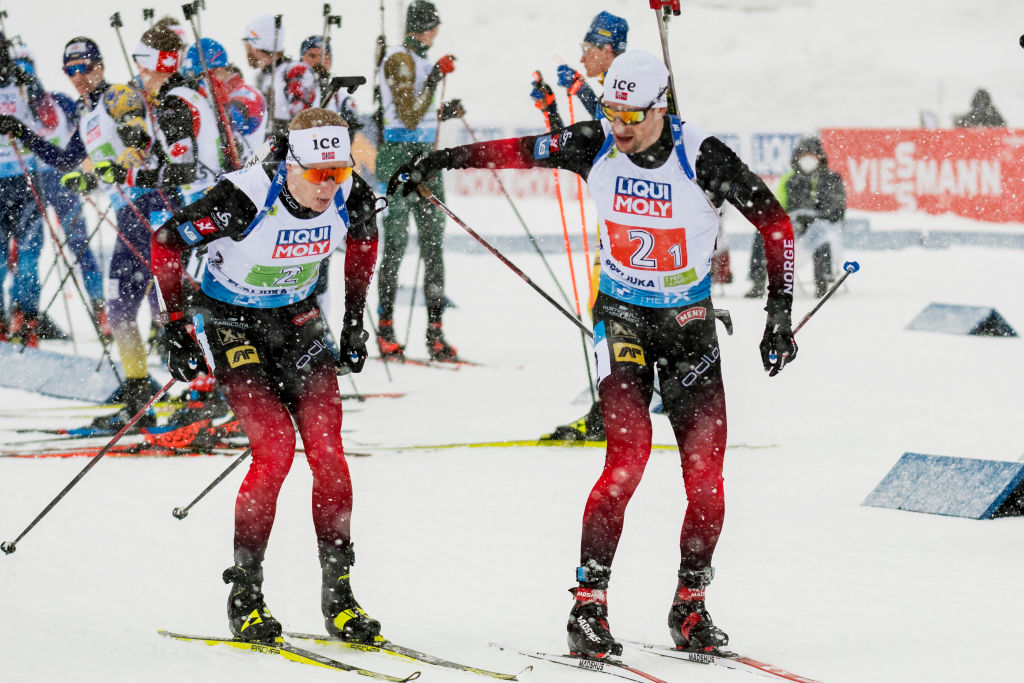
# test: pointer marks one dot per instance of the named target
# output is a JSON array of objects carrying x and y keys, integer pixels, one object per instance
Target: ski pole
[
  {"x": 329, "y": 21},
  {"x": 429, "y": 196},
  {"x": 849, "y": 268},
  {"x": 9, "y": 547},
  {"x": 117, "y": 24},
  {"x": 664, "y": 9},
  {"x": 412, "y": 299},
  {"x": 182, "y": 513},
  {"x": 63, "y": 257},
  {"x": 223, "y": 127},
  {"x": 533, "y": 240},
  {"x": 271, "y": 104},
  {"x": 376, "y": 334}
]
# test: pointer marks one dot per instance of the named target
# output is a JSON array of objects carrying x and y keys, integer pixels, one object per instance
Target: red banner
[{"x": 973, "y": 172}]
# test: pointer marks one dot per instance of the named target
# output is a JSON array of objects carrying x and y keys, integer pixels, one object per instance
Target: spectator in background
[
  {"x": 982, "y": 114},
  {"x": 408, "y": 82},
  {"x": 815, "y": 198}
]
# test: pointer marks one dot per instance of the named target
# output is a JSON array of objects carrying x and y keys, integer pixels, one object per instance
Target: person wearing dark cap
[
  {"x": 410, "y": 117},
  {"x": 28, "y": 105}
]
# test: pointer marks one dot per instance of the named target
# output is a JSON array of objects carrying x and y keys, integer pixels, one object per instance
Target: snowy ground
[{"x": 460, "y": 548}]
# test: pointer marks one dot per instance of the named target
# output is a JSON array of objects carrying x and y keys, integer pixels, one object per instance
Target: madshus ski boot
[
  {"x": 588, "y": 631},
  {"x": 688, "y": 620}
]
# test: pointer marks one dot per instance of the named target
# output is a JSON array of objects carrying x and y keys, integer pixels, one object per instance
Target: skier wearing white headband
[
  {"x": 658, "y": 183},
  {"x": 269, "y": 230}
]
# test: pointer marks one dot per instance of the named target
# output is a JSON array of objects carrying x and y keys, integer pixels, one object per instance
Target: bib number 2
[{"x": 645, "y": 249}]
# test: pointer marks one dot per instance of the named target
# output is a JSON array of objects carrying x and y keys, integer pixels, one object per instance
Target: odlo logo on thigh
[{"x": 242, "y": 355}]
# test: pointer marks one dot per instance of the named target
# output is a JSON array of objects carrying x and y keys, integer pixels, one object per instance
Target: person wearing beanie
[
  {"x": 410, "y": 116},
  {"x": 269, "y": 230},
  {"x": 21, "y": 222},
  {"x": 602, "y": 43},
  {"x": 658, "y": 183}
]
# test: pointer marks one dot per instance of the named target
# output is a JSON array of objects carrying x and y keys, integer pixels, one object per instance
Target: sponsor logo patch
[
  {"x": 542, "y": 148},
  {"x": 691, "y": 314},
  {"x": 231, "y": 336},
  {"x": 642, "y": 197},
  {"x": 303, "y": 242},
  {"x": 628, "y": 353},
  {"x": 304, "y": 318},
  {"x": 242, "y": 355},
  {"x": 205, "y": 225}
]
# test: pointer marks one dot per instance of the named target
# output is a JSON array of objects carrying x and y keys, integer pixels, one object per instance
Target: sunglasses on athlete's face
[
  {"x": 322, "y": 175},
  {"x": 80, "y": 68},
  {"x": 630, "y": 117}
]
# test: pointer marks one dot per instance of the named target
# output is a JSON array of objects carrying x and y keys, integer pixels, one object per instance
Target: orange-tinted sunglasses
[{"x": 322, "y": 175}]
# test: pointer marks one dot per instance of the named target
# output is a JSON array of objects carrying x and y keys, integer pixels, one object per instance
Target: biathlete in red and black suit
[
  {"x": 658, "y": 183},
  {"x": 269, "y": 229}
]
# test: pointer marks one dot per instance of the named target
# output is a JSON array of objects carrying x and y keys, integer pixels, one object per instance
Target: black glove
[
  {"x": 417, "y": 170},
  {"x": 352, "y": 347},
  {"x": 542, "y": 95},
  {"x": 79, "y": 181},
  {"x": 452, "y": 109},
  {"x": 778, "y": 346},
  {"x": 185, "y": 360},
  {"x": 10, "y": 125},
  {"x": 111, "y": 172}
]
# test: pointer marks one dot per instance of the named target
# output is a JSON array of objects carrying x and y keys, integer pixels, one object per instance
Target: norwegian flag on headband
[{"x": 156, "y": 60}]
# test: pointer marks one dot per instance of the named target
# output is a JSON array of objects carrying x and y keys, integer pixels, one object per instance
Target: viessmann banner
[{"x": 973, "y": 172}]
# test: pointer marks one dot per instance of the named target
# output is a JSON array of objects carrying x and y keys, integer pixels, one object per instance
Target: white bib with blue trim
[
  {"x": 278, "y": 260},
  {"x": 658, "y": 228}
]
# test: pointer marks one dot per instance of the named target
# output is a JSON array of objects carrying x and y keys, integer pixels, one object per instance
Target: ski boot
[
  {"x": 248, "y": 616},
  {"x": 588, "y": 632},
  {"x": 437, "y": 348},
  {"x": 688, "y": 620},
  {"x": 387, "y": 342},
  {"x": 134, "y": 393},
  {"x": 590, "y": 427},
  {"x": 343, "y": 616}
]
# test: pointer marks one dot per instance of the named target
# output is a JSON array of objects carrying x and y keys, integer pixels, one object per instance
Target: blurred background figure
[{"x": 983, "y": 113}]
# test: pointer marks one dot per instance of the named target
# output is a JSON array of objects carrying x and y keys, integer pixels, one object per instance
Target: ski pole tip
[
  {"x": 8, "y": 547},
  {"x": 851, "y": 266},
  {"x": 179, "y": 513}
]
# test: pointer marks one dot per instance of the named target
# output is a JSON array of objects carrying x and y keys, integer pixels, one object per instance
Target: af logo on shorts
[
  {"x": 628, "y": 353},
  {"x": 242, "y": 355}
]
